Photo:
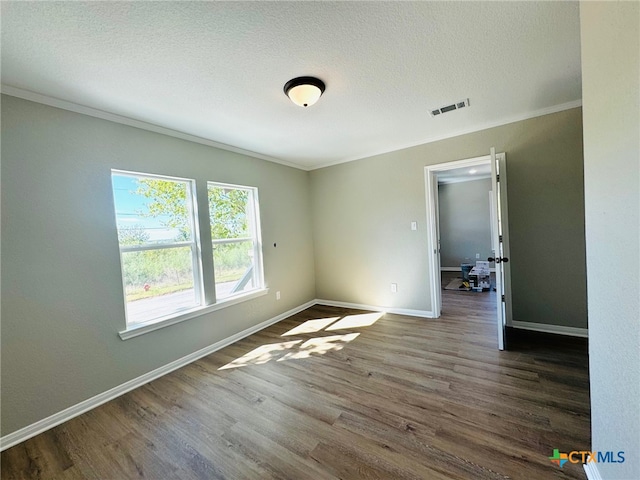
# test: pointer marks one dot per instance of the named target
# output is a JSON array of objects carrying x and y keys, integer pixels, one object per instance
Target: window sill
[{"x": 141, "y": 329}]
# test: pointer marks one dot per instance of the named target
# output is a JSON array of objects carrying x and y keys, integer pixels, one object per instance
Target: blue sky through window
[{"x": 132, "y": 211}]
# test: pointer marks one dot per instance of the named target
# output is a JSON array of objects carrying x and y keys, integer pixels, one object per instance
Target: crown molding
[
  {"x": 112, "y": 117},
  {"x": 93, "y": 112},
  {"x": 477, "y": 128}
]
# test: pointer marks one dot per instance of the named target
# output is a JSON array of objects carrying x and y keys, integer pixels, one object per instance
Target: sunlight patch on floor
[
  {"x": 320, "y": 346},
  {"x": 311, "y": 326},
  {"x": 356, "y": 321},
  {"x": 261, "y": 355},
  {"x": 295, "y": 349}
]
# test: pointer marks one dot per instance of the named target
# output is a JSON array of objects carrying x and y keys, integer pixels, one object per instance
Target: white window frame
[
  {"x": 201, "y": 287},
  {"x": 193, "y": 244},
  {"x": 255, "y": 238}
]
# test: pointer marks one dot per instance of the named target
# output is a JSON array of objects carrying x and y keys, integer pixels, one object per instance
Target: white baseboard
[
  {"x": 40, "y": 426},
  {"x": 47, "y": 423},
  {"x": 557, "y": 329},
  {"x": 399, "y": 311},
  {"x": 592, "y": 471}
]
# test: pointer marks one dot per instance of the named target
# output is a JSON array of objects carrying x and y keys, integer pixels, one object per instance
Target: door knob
[{"x": 498, "y": 259}]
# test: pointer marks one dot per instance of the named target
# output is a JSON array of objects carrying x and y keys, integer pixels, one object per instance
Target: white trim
[
  {"x": 455, "y": 164},
  {"x": 457, "y": 269},
  {"x": 140, "y": 329},
  {"x": 506, "y": 238},
  {"x": 431, "y": 201},
  {"x": 466, "y": 131},
  {"x": 431, "y": 198},
  {"x": 497, "y": 226},
  {"x": 471, "y": 178},
  {"x": 432, "y": 207},
  {"x": 556, "y": 329},
  {"x": 112, "y": 117},
  {"x": 154, "y": 246},
  {"x": 222, "y": 241},
  {"x": 47, "y": 423},
  {"x": 399, "y": 311},
  {"x": 94, "y": 112},
  {"x": 592, "y": 471},
  {"x": 68, "y": 413}
]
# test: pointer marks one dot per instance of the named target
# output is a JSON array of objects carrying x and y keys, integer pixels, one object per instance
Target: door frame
[{"x": 433, "y": 214}]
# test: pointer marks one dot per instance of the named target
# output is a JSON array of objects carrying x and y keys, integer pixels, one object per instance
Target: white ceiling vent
[{"x": 449, "y": 108}]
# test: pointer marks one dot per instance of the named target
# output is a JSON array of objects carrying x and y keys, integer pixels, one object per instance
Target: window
[
  {"x": 235, "y": 234},
  {"x": 159, "y": 254}
]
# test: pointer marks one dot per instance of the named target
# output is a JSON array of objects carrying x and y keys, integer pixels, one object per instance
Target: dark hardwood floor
[{"x": 401, "y": 398}]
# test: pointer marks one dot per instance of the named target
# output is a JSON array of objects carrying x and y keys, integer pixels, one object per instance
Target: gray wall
[
  {"x": 362, "y": 213},
  {"x": 610, "y": 85},
  {"x": 62, "y": 300},
  {"x": 465, "y": 222}
]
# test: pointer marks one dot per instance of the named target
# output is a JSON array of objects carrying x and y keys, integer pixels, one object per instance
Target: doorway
[{"x": 491, "y": 167}]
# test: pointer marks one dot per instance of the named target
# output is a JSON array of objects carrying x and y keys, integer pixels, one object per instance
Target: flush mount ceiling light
[{"x": 304, "y": 91}]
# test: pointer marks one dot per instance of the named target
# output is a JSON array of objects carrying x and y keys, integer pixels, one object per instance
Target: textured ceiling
[{"x": 216, "y": 69}]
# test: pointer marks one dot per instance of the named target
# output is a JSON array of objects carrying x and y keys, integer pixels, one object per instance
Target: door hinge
[
  {"x": 498, "y": 177},
  {"x": 500, "y": 238},
  {"x": 503, "y": 298}
]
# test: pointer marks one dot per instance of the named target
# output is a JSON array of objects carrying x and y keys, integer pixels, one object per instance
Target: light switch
[{"x": 414, "y": 225}]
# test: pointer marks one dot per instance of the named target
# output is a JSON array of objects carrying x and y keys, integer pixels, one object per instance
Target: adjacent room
[
  {"x": 464, "y": 230},
  {"x": 229, "y": 231}
]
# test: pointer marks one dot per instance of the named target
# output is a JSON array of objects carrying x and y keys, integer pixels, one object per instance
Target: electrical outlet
[
  {"x": 394, "y": 288},
  {"x": 477, "y": 256},
  {"x": 278, "y": 295}
]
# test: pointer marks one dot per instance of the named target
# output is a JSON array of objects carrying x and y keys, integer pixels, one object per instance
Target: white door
[
  {"x": 498, "y": 246},
  {"x": 437, "y": 306}
]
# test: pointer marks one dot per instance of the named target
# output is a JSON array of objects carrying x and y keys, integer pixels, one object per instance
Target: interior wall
[
  {"x": 62, "y": 301},
  {"x": 362, "y": 213},
  {"x": 62, "y": 298},
  {"x": 465, "y": 222},
  {"x": 610, "y": 85}
]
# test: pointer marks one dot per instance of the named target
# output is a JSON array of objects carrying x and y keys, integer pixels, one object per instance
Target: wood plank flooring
[{"x": 402, "y": 398}]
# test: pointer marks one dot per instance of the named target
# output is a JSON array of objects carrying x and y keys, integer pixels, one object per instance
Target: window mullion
[{"x": 206, "y": 247}]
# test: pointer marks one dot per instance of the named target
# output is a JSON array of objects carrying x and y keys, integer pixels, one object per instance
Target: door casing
[{"x": 431, "y": 189}]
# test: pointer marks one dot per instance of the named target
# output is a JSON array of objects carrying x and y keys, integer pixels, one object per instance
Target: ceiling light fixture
[
  {"x": 304, "y": 91},
  {"x": 472, "y": 171}
]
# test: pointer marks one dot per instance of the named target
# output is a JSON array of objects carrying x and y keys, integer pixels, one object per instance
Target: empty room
[{"x": 320, "y": 240}]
